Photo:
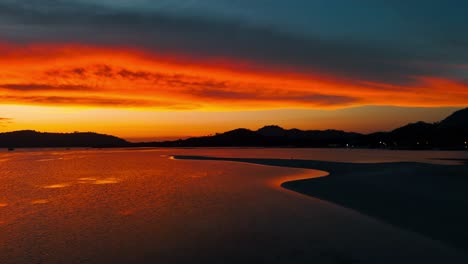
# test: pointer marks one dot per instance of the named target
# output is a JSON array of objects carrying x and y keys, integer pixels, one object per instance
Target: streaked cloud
[
  {"x": 109, "y": 77},
  {"x": 230, "y": 55},
  {"x": 226, "y": 95},
  {"x": 199, "y": 35},
  {"x": 42, "y": 87},
  {"x": 99, "y": 101},
  {"x": 4, "y": 121}
]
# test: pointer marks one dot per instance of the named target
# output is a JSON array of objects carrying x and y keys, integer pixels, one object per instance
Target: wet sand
[{"x": 430, "y": 199}]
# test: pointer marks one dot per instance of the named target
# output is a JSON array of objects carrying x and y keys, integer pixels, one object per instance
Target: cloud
[
  {"x": 154, "y": 84},
  {"x": 109, "y": 77},
  {"x": 43, "y": 87},
  {"x": 103, "y": 73},
  {"x": 208, "y": 37},
  {"x": 93, "y": 101},
  {"x": 4, "y": 121},
  {"x": 274, "y": 96}
]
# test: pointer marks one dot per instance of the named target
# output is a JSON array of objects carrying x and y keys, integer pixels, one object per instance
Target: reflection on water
[
  {"x": 92, "y": 180},
  {"x": 56, "y": 186},
  {"x": 43, "y": 160},
  {"x": 127, "y": 212},
  {"x": 40, "y": 201},
  {"x": 137, "y": 206},
  {"x": 85, "y": 180},
  {"x": 106, "y": 181}
]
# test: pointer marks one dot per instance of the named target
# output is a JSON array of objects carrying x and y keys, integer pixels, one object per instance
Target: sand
[{"x": 429, "y": 199}]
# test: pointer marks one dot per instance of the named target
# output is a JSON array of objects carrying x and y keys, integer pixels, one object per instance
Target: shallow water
[{"x": 127, "y": 206}]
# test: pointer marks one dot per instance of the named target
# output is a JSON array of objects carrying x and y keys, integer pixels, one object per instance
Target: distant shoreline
[
  {"x": 448, "y": 134},
  {"x": 228, "y": 147}
]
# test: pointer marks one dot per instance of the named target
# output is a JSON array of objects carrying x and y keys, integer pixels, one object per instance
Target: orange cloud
[
  {"x": 75, "y": 75},
  {"x": 4, "y": 121}
]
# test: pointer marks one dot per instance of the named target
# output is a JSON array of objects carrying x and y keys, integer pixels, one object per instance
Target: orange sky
[{"x": 137, "y": 94}]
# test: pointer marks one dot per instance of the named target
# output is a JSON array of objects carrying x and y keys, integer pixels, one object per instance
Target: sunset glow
[
  {"x": 81, "y": 76},
  {"x": 173, "y": 69}
]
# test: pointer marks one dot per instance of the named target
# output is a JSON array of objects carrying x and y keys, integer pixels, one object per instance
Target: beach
[{"x": 425, "y": 198}]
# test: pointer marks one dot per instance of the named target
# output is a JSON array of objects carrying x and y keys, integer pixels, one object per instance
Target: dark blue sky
[{"x": 389, "y": 41}]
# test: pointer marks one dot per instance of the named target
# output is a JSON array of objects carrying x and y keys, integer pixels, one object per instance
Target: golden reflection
[
  {"x": 40, "y": 201},
  {"x": 92, "y": 180},
  {"x": 86, "y": 180},
  {"x": 106, "y": 181},
  {"x": 3, "y": 205},
  {"x": 56, "y": 186},
  {"x": 51, "y": 159}
]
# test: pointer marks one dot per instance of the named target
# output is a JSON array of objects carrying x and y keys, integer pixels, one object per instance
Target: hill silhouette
[
  {"x": 457, "y": 120},
  {"x": 34, "y": 139},
  {"x": 268, "y": 136},
  {"x": 450, "y": 133}
]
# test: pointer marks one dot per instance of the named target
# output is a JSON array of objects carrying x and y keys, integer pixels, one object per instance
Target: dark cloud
[
  {"x": 93, "y": 101},
  {"x": 104, "y": 71},
  {"x": 272, "y": 96},
  {"x": 43, "y": 87},
  {"x": 135, "y": 75},
  {"x": 4, "y": 121},
  {"x": 66, "y": 21}
]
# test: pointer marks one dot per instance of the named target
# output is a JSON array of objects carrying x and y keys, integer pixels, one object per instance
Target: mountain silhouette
[
  {"x": 456, "y": 121},
  {"x": 34, "y": 139},
  {"x": 273, "y": 131},
  {"x": 268, "y": 136},
  {"x": 450, "y": 133}
]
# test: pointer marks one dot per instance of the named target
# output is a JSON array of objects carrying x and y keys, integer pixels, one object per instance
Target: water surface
[{"x": 128, "y": 205}]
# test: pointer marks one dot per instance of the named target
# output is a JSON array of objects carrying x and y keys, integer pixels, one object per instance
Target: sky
[{"x": 144, "y": 69}]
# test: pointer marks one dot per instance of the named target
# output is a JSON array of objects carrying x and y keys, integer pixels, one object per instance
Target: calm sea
[{"x": 140, "y": 206}]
